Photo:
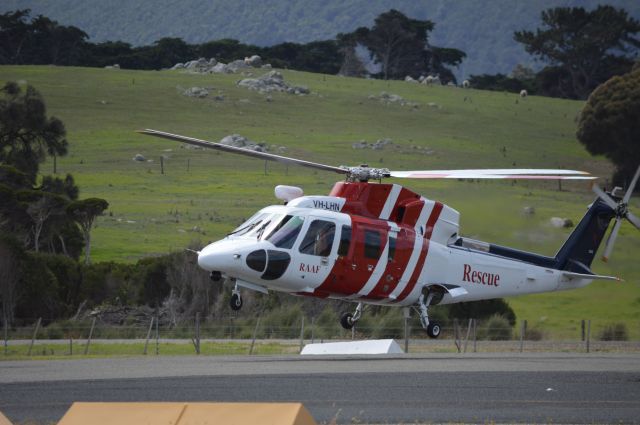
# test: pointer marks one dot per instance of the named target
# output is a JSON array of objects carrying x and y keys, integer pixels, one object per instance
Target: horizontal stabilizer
[{"x": 572, "y": 275}]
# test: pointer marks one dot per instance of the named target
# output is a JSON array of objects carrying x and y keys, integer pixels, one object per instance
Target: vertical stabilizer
[{"x": 576, "y": 255}]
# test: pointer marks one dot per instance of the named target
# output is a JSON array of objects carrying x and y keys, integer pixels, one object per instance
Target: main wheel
[
  {"x": 235, "y": 302},
  {"x": 346, "y": 320},
  {"x": 433, "y": 330}
]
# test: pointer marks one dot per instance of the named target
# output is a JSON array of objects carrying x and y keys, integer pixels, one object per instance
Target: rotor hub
[{"x": 363, "y": 173}]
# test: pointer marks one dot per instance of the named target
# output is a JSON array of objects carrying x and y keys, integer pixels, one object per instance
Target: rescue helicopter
[{"x": 373, "y": 243}]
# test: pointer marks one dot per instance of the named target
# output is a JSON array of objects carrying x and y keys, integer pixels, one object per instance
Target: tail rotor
[{"x": 621, "y": 208}]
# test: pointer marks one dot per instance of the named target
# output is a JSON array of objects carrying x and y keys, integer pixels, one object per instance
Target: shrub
[
  {"x": 534, "y": 334},
  {"x": 497, "y": 328},
  {"x": 614, "y": 332}
]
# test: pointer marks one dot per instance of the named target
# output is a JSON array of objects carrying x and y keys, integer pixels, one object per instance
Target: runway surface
[{"x": 501, "y": 388}]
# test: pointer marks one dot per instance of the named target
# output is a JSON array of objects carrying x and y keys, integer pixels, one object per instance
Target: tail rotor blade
[
  {"x": 632, "y": 186},
  {"x": 604, "y": 196},
  {"x": 634, "y": 220},
  {"x": 611, "y": 241}
]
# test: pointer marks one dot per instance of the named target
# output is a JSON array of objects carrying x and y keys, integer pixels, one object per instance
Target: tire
[
  {"x": 235, "y": 302},
  {"x": 346, "y": 320},
  {"x": 433, "y": 330}
]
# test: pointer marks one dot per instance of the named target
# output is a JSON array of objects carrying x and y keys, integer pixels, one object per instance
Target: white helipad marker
[{"x": 376, "y": 346}]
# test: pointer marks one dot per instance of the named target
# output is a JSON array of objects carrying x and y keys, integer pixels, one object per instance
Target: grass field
[{"x": 202, "y": 195}]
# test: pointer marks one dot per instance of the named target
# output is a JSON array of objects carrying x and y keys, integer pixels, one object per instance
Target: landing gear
[
  {"x": 348, "y": 320},
  {"x": 433, "y": 329},
  {"x": 236, "y": 300}
]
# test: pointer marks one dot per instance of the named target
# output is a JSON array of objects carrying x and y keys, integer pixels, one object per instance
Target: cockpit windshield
[
  {"x": 249, "y": 225},
  {"x": 285, "y": 233}
]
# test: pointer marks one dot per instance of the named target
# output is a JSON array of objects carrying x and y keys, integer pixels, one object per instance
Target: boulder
[
  {"x": 254, "y": 61},
  {"x": 272, "y": 81},
  {"x": 561, "y": 222},
  {"x": 199, "y": 92},
  {"x": 138, "y": 157}
]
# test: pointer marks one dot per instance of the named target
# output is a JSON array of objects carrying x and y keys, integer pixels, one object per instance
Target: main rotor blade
[
  {"x": 604, "y": 196},
  {"x": 632, "y": 186},
  {"x": 516, "y": 173},
  {"x": 247, "y": 152},
  {"x": 608, "y": 248}
]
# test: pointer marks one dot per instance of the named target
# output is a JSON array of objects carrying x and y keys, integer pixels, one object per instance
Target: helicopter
[{"x": 373, "y": 243}]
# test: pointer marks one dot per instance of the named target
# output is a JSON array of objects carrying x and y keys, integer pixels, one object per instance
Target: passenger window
[
  {"x": 319, "y": 238},
  {"x": 372, "y": 244},
  {"x": 392, "y": 247},
  {"x": 345, "y": 241}
]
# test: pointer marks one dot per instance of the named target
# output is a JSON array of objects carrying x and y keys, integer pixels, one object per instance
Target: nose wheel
[
  {"x": 348, "y": 320},
  {"x": 236, "y": 300}
]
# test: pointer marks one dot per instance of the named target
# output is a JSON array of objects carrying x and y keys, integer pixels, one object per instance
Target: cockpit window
[
  {"x": 319, "y": 238},
  {"x": 285, "y": 233},
  {"x": 249, "y": 225}
]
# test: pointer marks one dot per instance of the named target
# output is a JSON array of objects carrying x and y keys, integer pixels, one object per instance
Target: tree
[
  {"x": 84, "y": 213},
  {"x": 588, "y": 47},
  {"x": 609, "y": 124},
  {"x": 10, "y": 260},
  {"x": 14, "y": 34},
  {"x": 398, "y": 42},
  {"x": 27, "y": 135},
  {"x": 400, "y": 46},
  {"x": 41, "y": 210}
]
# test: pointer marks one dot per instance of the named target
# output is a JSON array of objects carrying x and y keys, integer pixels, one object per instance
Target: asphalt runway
[{"x": 470, "y": 388}]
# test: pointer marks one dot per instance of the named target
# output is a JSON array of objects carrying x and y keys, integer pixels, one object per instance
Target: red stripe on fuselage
[
  {"x": 433, "y": 218},
  {"x": 351, "y": 273},
  {"x": 395, "y": 267}
]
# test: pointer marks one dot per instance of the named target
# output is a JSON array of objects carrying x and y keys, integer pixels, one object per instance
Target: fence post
[
  {"x": 588, "y": 334},
  {"x": 35, "y": 333},
  {"x": 6, "y": 335},
  {"x": 313, "y": 329},
  {"x": 456, "y": 334},
  {"x": 302, "y": 333},
  {"x": 70, "y": 345},
  {"x": 196, "y": 340},
  {"x": 466, "y": 340},
  {"x": 161, "y": 164},
  {"x": 475, "y": 339},
  {"x": 157, "y": 335},
  {"x": 93, "y": 325},
  {"x": 407, "y": 316},
  {"x": 146, "y": 342},
  {"x": 523, "y": 329},
  {"x": 582, "y": 329},
  {"x": 255, "y": 334}
]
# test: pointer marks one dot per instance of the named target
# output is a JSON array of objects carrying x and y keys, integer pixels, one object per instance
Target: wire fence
[{"x": 229, "y": 336}]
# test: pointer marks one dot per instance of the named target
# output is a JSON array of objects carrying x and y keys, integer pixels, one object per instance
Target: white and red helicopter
[{"x": 382, "y": 244}]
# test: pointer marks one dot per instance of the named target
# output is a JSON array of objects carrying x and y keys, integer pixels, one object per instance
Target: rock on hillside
[{"x": 272, "y": 81}]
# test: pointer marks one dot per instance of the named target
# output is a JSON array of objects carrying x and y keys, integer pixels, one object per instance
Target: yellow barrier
[
  {"x": 4, "y": 420},
  {"x": 187, "y": 414}
]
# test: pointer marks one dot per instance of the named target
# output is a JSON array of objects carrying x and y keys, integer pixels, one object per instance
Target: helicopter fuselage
[{"x": 372, "y": 243}]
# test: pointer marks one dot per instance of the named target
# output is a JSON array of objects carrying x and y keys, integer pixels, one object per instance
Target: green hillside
[{"x": 203, "y": 195}]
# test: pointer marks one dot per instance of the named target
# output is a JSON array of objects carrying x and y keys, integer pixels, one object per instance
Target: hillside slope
[
  {"x": 484, "y": 30},
  {"x": 203, "y": 195}
]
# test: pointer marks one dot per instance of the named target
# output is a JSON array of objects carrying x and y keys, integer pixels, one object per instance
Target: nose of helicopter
[{"x": 223, "y": 256}]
